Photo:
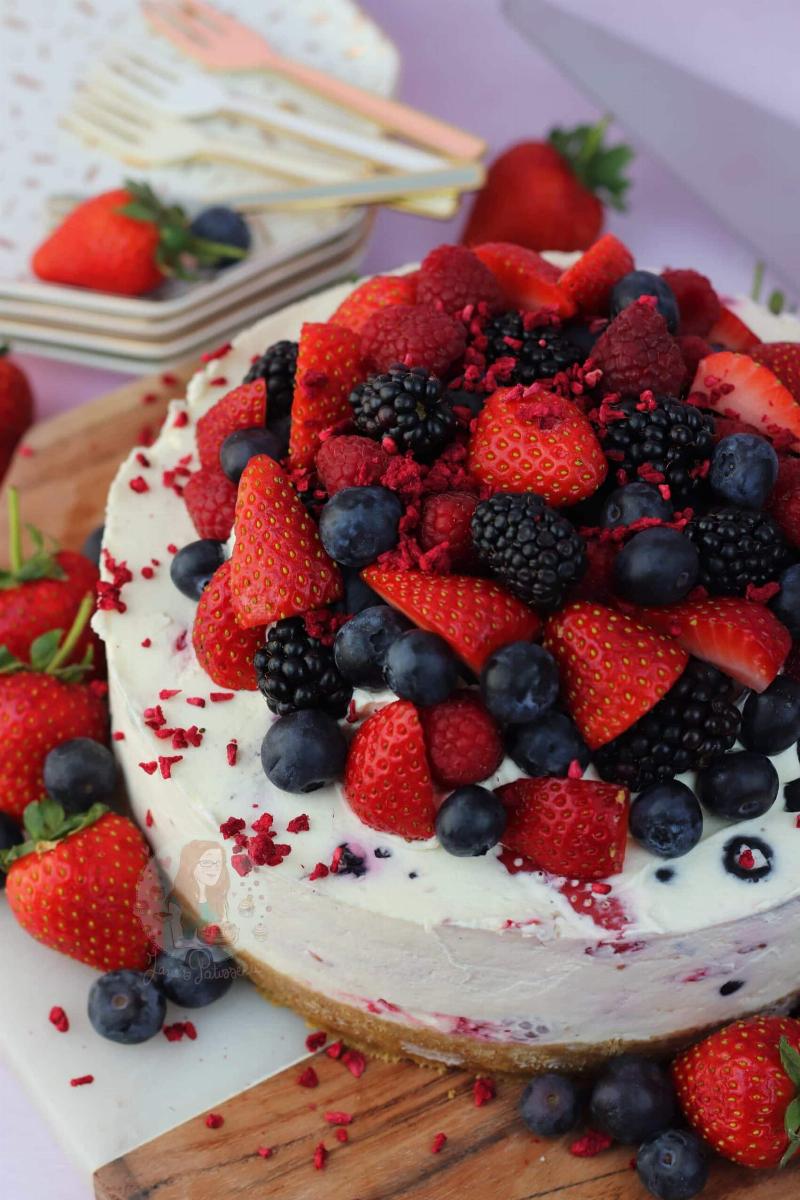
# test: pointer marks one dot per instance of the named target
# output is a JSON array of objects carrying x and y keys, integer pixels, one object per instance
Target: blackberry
[
  {"x": 296, "y": 671},
  {"x": 276, "y": 367},
  {"x": 539, "y": 353},
  {"x": 667, "y": 437},
  {"x": 691, "y": 725},
  {"x": 536, "y": 552},
  {"x": 738, "y": 547},
  {"x": 407, "y": 405}
]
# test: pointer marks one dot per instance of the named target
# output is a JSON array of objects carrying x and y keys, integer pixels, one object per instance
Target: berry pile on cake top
[{"x": 557, "y": 514}]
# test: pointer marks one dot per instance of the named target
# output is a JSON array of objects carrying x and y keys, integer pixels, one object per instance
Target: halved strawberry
[
  {"x": 744, "y": 639},
  {"x": 528, "y": 280},
  {"x": 730, "y": 332},
  {"x": 474, "y": 616},
  {"x": 387, "y": 780},
  {"x": 379, "y": 292},
  {"x": 589, "y": 280},
  {"x": 783, "y": 359},
  {"x": 572, "y": 827},
  {"x": 279, "y": 567},
  {"x": 737, "y": 386},
  {"x": 224, "y": 648},
  {"x": 532, "y": 441},
  {"x": 328, "y": 368},
  {"x": 240, "y": 408},
  {"x": 613, "y": 669}
]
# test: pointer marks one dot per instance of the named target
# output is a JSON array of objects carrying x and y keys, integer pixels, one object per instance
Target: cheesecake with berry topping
[{"x": 454, "y": 613}]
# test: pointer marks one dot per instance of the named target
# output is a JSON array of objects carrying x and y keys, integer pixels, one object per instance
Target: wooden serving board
[{"x": 398, "y": 1109}]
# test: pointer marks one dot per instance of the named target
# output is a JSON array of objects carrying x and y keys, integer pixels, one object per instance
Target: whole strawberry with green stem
[{"x": 16, "y": 406}]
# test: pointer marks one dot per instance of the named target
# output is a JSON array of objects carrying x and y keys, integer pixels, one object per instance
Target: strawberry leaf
[
  {"x": 792, "y": 1126},
  {"x": 46, "y": 824},
  {"x": 44, "y": 647},
  {"x": 790, "y": 1060},
  {"x": 598, "y": 167},
  {"x": 41, "y": 564}
]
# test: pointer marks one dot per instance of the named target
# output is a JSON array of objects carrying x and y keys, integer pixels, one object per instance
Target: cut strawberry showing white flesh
[{"x": 738, "y": 388}]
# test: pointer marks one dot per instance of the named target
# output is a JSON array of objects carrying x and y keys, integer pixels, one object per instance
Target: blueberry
[
  {"x": 791, "y": 796},
  {"x": 472, "y": 401},
  {"x": 771, "y": 719},
  {"x": 359, "y": 523},
  {"x": 550, "y": 1105},
  {"x": 519, "y": 683},
  {"x": 10, "y": 835},
  {"x": 470, "y": 821},
  {"x": 223, "y": 225},
  {"x": 362, "y": 644},
  {"x": 786, "y": 605},
  {"x": 748, "y": 858},
  {"x": 657, "y": 566},
  {"x": 126, "y": 1007},
  {"x": 194, "y": 564},
  {"x": 91, "y": 547},
  {"x": 421, "y": 667},
  {"x": 633, "y": 502},
  {"x": 280, "y": 428},
  {"x": 242, "y": 445},
  {"x": 632, "y": 1100},
  {"x": 548, "y": 746},
  {"x": 79, "y": 773},
  {"x": 583, "y": 336},
  {"x": 194, "y": 976},
  {"x": 644, "y": 283},
  {"x": 357, "y": 594},
  {"x": 667, "y": 819},
  {"x": 744, "y": 468},
  {"x": 738, "y": 786},
  {"x": 673, "y": 1165},
  {"x": 303, "y": 751}
]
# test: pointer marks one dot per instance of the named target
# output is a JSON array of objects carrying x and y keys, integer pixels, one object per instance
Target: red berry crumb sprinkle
[
  {"x": 309, "y": 1078},
  {"x": 320, "y": 1156},
  {"x": 315, "y": 1041},
  {"x": 335, "y": 1050},
  {"x": 138, "y": 484},
  {"x": 265, "y": 1152},
  {"x": 81, "y": 1080},
  {"x": 59, "y": 1018},
  {"x": 590, "y": 1144},
  {"x": 319, "y": 872},
  {"x": 438, "y": 1143},
  {"x": 342, "y": 1135},
  {"x": 483, "y": 1090},
  {"x": 355, "y": 1062},
  {"x": 214, "y": 1121},
  {"x": 231, "y": 750},
  {"x": 148, "y": 819},
  {"x": 299, "y": 824},
  {"x": 220, "y": 697},
  {"x": 336, "y": 1117}
]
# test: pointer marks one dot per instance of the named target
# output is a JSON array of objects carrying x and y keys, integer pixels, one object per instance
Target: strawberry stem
[
  {"x": 758, "y": 281},
  {"x": 14, "y": 532},
  {"x": 46, "y": 824},
  {"x": 70, "y": 641}
]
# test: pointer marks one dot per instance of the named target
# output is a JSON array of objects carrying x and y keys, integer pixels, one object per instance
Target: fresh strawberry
[
  {"x": 531, "y": 441},
  {"x": 16, "y": 406},
  {"x": 698, "y": 304},
  {"x": 528, "y": 280},
  {"x": 418, "y": 335},
  {"x": 279, "y": 567},
  {"x": 125, "y": 242},
  {"x": 350, "y": 461},
  {"x": 224, "y": 648},
  {"x": 740, "y": 637},
  {"x": 784, "y": 503},
  {"x": 241, "y": 408},
  {"x": 387, "y": 779},
  {"x": 636, "y": 353},
  {"x": 451, "y": 277},
  {"x": 730, "y": 332},
  {"x": 74, "y": 885},
  {"x": 446, "y": 517},
  {"x": 738, "y": 387},
  {"x": 474, "y": 616},
  {"x": 382, "y": 291},
  {"x": 210, "y": 498},
  {"x": 613, "y": 669},
  {"x": 589, "y": 280},
  {"x": 463, "y": 740},
  {"x": 693, "y": 350},
  {"x": 783, "y": 359},
  {"x": 740, "y": 1090},
  {"x": 549, "y": 195},
  {"x": 328, "y": 368},
  {"x": 572, "y": 827}
]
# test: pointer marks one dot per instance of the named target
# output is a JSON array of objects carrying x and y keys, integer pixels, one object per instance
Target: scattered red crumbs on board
[
  {"x": 336, "y": 1117},
  {"x": 220, "y": 381},
  {"x": 179, "y": 1030},
  {"x": 148, "y": 398},
  {"x": 168, "y": 693},
  {"x": 231, "y": 827},
  {"x": 81, "y": 1080},
  {"x": 181, "y": 419},
  {"x": 59, "y": 1018},
  {"x": 166, "y": 762},
  {"x": 438, "y": 1143},
  {"x": 220, "y": 352},
  {"x": 342, "y": 1135},
  {"x": 25, "y": 451},
  {"x": 590, "y": 1144},
  {"x": 241, "y": 864},
  {"x": 299, "y": 824},
  {"x": 146, "y": 643},
  {"x": 483, "y": 1090},
  {"x": 118, "y": 735},
  {"x": 335, "y": 1050},
  {"x": 220, "y": 697},
  {"x": 355, "y": 1062},
  {"x": 309, "y": 1078},
  {"x": 231, "y": 752},
  {"x": 138, "y": 484},
  {"x": 149, "y": 768},
  {"x": 320, "y": 1155},
  {"x": 265, "y": 1151},
  {"x": 319, "y": 872},
  {"x": 148, "y": 819},
  {"x": 315, "y": 1041},
  {"x": 197, "y": 701},
  {"x": 214, "y": 1121},
  {"x": 169, "y": 380}
]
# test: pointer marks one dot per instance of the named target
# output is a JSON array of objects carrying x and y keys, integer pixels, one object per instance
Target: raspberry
[
  {"x": 241, "y": 408},
  {"x": 350, "y": 462},
  {"x": 415, "y": 335},
  {"x": 463, "y": 740},
  {"x": 636, "y": 352},
  {"x": 784, "y": 505},
  {"x": 451, "y": 277},
  {"x": 597, "y": 584},
  {"x": 698, "y": 303},
  {"x": 381, "y": 291},
  {"x": 211, "y": 499},
  {"x": 446, "y": 518},
  {"x": 693, "y": 349}
]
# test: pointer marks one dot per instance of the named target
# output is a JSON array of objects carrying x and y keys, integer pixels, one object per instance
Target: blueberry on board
[
  {"x": 421, "y": 667},
  {"x": 470, "y": 821},
  {"x": 303, "y": 751},
  {"x": 633, "y": 502},
  {"x": 673, "y": 1165},
  {"x": 771, "y": 719},
  {"x": 786, "y": 605},
  {"x": 193, "y": 976},
  {"x": 738, "y": 786},
  {"x": 744, "y": 468},
  {"x": 223, "y": 225},
  {"x": 657, "y": 566},
  {"x": 748, "y": 858},
  {"x": 550, "y": 1105},
  {"x": 632, "y": 1100},
  {"x": 645, "y": 283},
  {"x": 359, "y": 523},
  {"x": 547, "y": 746},
  {"x": 91, "y": 547},
  {"x": 667, "y": 819},
  {"x": 519, "y": 683},
  {"x": 79, "y": 773},
  {"x": 126, "y": 1007},
  {"x": 194, "y": 564},
  {"x": 10, "y": 835},
  {"x": 362, "y": 644},
  {"x": 242, "y": 445}
]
